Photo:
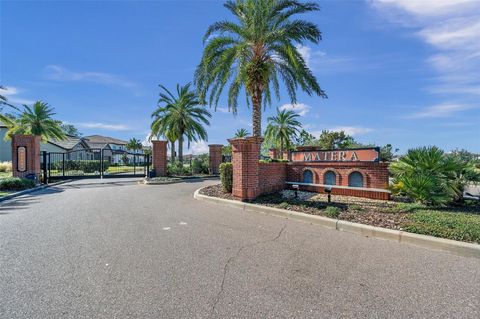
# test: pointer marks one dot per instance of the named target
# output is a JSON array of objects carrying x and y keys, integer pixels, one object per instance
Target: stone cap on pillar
[{"x": 238, "y": 142}]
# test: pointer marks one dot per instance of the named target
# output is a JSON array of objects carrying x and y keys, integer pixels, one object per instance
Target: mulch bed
[
  {"x": 354, "y": 209},
  {"x": 216, "y": 191}
]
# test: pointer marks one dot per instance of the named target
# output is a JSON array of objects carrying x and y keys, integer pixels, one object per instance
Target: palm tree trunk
[
  {"x": 257, "y": 113},
  {"x": 180, "y": 149},
  {"x": 281, "y": 147},
  {"x": 172, "y": 149}
]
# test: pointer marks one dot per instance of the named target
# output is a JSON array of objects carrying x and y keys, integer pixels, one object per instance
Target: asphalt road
[{"x": 115, "y": 249}]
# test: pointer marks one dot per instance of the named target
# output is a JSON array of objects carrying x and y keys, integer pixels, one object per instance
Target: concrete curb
[
  {"x": 424, "y": 241},
  {"x": 180, "y": 180},
  {"x": 31, "y": 190}
]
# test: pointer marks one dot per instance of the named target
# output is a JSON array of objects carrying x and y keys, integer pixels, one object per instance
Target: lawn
[
  {"x": 453, "y": 222},
  {"x": 125, "y": 169}
]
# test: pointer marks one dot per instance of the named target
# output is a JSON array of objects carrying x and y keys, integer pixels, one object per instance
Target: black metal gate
[{"x": 93, "y": 163}]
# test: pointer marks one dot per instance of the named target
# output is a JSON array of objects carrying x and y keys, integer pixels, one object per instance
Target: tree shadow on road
[{"x": 24, "y": 201}]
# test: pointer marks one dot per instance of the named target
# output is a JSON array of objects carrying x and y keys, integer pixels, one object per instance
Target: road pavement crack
[{"x": 232, "y": 258}]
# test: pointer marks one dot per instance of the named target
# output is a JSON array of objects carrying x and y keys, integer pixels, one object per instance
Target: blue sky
[{"x": 403, "y": 72}]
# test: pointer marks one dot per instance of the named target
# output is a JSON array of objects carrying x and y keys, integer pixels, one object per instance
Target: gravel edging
[
  {"x": 177, "y": 180},
  {"x": 31, "y": 190},
  {"x": 424, "y": 241}
]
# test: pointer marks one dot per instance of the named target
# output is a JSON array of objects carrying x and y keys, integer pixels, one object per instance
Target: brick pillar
[
  {"x": 159, "y": 157},
  {"x": 26, "y": 155},
  {"x": 273, "y": 153},
  {"x": 215, "y": 159},
  {"x": 245, "y": 152}
]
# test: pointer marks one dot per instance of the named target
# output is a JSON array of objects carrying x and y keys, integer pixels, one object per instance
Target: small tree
[
  {"x": 134, "y": 144},
  {"x": 282, "y": 129},
  {"x": 241, "y": 133}
]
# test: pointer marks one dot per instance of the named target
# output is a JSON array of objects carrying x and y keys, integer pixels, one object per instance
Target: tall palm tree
[
  {"x": 181, "y": 116},
  {"x": 37, "y": 120},
  {"x": 282, "y": 129},
  {"x": 256, "y": 52},
  {"x": 241, "y": 133},
  {"x": 134, "y": 144}
]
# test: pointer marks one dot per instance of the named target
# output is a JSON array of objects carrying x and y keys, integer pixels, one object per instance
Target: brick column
[
  {"x": 245, "y": 153},
  {"x": 26, "y": 155},
  {"x": 215, "y": 159},
  {"x": 159, "y": 157}
]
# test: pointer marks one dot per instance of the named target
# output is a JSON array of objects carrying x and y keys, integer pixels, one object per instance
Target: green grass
[
  {"x": 3, "y": 193},
  {"x": 124, "y": 169}
]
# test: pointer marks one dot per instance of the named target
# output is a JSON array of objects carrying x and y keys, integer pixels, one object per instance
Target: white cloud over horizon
[
  {"x": 60, "y": 73},
  {"x": 299, "y": 108},
  {"x": 439, "y": 110},
  {"x": 197, "y": 148},
  {"x": 11, "y": 93},
  {"x": 350, "y": 130},
  {"x": 103, "y": 126}
]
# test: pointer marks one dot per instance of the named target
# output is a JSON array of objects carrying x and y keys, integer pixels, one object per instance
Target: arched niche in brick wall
[
  {"x": 356, "y": 179},
  {"x": 330, "y": 177}
]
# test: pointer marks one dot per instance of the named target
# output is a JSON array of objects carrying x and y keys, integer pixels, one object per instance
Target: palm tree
[
  {"x": 134, "y": 144},
  {"x": 282, "y": 129},
  {"x": 180, "y": 116},
  {"x": 7, "y": 120},
  {"x": 241, "y": 133},
  {"x": 37, "y": 120},
  {"x": 256, "y": 52}
]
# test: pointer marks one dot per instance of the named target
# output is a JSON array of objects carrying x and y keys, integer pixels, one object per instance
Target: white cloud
[
  {"x": 352, "y": 130},
  {"x": 103, "y": 126},
  {"x": 11, "y": 93},
  {"x": 146, "y": 141},
  {"x": 452, "y": 29},
  {"x": 200, "y": 147},
  {"x": 300, "y": 108},
  {"x": 60, "y": 73},
  {"x": 440, "y": 110}
]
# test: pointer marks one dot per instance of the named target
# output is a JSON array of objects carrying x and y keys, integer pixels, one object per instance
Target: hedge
[
  {"x": 226, "y": 176},
  {"x": 16, "y": 184},
  {"x": 87, "y": 166}
]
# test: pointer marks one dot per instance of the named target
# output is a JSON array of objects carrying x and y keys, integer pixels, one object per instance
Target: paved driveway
[{"x": 115, "y": 249}]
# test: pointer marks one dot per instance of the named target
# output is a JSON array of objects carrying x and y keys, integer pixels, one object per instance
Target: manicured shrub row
[
  {"x": 226, "y": 176},
  {"x": 15, "y": 184},
  {"x": 465, "y": 227},
  {"x": 87, "y": 166}
]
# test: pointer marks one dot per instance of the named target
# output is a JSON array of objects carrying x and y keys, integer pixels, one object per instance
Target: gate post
[
  {"x": 26, "y": 155},
  {"x": 246, "y": 166},
  {"x": 159, "y": 157},
  {"x": 44, "y": 168},
  {"x": 215, "y": 158}
]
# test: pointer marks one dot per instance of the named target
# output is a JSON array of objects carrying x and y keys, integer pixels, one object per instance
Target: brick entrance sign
[
  {"x": 26, "y": 155},
  {"x": 215, "y": 159},
  {"x": 351, "y": 172},
  {"x": 159, "y": 157},
  {"x": 245, "y": 152}
]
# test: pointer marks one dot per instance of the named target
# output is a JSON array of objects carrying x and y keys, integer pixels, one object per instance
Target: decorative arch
[
  {"x": 307, "y": 176},
  {"x": 356, "y": 179},
  {"x": 330, "y": 178}
]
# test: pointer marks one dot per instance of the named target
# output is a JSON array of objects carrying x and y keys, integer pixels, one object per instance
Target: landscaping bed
[{"x": 452, "y": 222}]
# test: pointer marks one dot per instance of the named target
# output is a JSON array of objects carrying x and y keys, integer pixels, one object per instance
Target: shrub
[
  {"x": 177, "y": 169},
  {"x": 226, "y": 176},
  {"x": 16, "y": 184},
  {"x": 455, "y": 226},
  {"x": 200, "y": 164},
  {"x": 87, "y": 166},
  {"x": 430, "y": 177},
  {"x": 5, "y": 167},
  {"x": 332, "y": 211}
]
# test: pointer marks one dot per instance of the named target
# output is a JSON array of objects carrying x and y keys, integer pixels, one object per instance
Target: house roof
[
  {"x": 68, "y": 143},
  {"x": 99, "y": 139}
]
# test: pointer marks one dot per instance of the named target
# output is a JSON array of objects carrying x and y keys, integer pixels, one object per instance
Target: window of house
[
  {"x": 308, "y": 177},
  {"x": 330, "y": 178},
  {"x": 355, "y": 179}
]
